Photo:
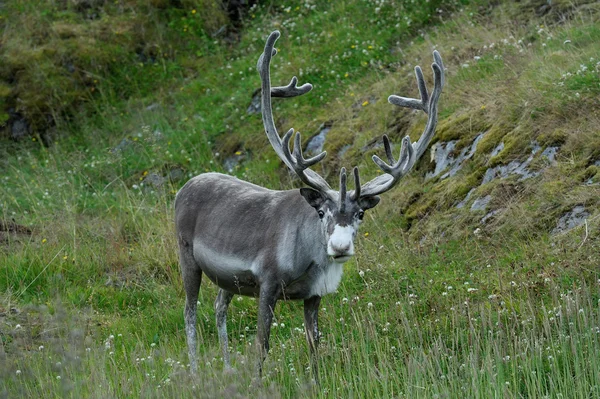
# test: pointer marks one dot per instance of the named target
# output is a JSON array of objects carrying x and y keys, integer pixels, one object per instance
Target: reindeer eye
[
  {"x": 361, "y": 215},
  {"x": 321, "y": 213}
]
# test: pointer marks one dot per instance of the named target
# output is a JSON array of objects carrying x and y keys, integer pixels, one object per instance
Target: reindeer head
[{"x": 341, "y": 211}]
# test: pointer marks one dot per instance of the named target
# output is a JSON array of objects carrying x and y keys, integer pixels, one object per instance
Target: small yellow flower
[
  {"x": 364, "y": 104},
  {"x": 238, "y": 153},
  {"x": 367, "y": 234},
  {"x": 44, "y": 241},
  {"x": 483, "y": 107},
  {"x": 353, "y": 46},
  {"x": 346, "y": 75},
  {"x": 145, "y": 172},
  {"x": 193, "y": 11},
  {"x": 370, "y": 47},
  {"x": 65, "y": 257}
]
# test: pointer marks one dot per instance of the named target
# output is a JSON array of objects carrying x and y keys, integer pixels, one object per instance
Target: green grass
[
  {"x": 436, "y": 304},
  {"x": 422, "y": 340}
]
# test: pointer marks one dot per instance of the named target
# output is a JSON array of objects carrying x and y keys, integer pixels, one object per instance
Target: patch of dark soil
[{"x": 11, "y": 230}]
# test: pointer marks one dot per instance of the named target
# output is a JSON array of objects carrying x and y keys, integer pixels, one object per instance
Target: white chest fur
[{"x": 328, "y": 281}]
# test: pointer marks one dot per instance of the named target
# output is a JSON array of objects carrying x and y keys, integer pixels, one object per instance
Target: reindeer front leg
[
  {"x": 311, "y": 328},
  {"x": 266, "y": 306},
  {"x": 221, "y": 305}
]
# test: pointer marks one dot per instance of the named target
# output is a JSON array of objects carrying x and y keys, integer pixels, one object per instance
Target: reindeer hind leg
[{"x": 192, "y": 277}]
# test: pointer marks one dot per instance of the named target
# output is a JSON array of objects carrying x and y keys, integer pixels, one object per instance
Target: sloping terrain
[{"x": 476, "y": 276}]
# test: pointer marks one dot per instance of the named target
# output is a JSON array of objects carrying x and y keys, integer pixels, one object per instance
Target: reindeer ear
[
  {"x": 368, "y": 202},
  {"x": 313, "y": 197}
]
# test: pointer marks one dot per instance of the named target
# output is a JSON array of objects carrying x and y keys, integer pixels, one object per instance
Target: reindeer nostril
[
  {"x": 340, "y": 242},
  {"x": 341, "y": 248}
]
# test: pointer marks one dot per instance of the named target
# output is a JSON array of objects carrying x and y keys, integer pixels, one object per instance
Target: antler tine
[
  {"x": 343, "y": 190},
  {"x": 438, "y": 60},
  {"x": 291, "y": 90},
  {"x": 388, "y": 149},
  {"x": 296, "y": 162},
  {"x": 356, "y": 194},
  {"x": 413, "y": 102},
  {"x": 300, "y": 160},
  {"x": 421, "y": 145},
  {"x": 409, "y": 153}
]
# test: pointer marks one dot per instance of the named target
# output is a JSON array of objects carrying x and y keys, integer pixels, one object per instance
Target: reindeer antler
[
  {"x": 409, "y": 152},
  {"x": 296, "y": 161}
]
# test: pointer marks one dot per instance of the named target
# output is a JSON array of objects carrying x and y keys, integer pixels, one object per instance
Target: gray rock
[
  {"x": 154, "y": 180},
  {"x": 315, "y": 143},
  {"x": 122, "y": 146},
  {"x": 462, "y": 203},
  {"x": 481, "y": 203},
  {"x": 497, "y": 150},
  {"x": 442, "y": 154},
  {"x": 255, "y": 107},
  {"x": 19, "y": 129},
  {"x": 550, "y": 154},
  {"x": 489, "y": 215},
  {"x": 571, "y": 219},
  {"x": 232, "y": 162},
  {"x": 520, "y": 168},
  {"x": 503, "y": 171}
]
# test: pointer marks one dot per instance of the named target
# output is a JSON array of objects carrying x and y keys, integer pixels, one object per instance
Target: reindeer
[{"x": 282, "y": 245}]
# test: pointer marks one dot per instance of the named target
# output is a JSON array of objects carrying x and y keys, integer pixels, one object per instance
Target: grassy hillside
[{"x": 445, "y": 298}]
